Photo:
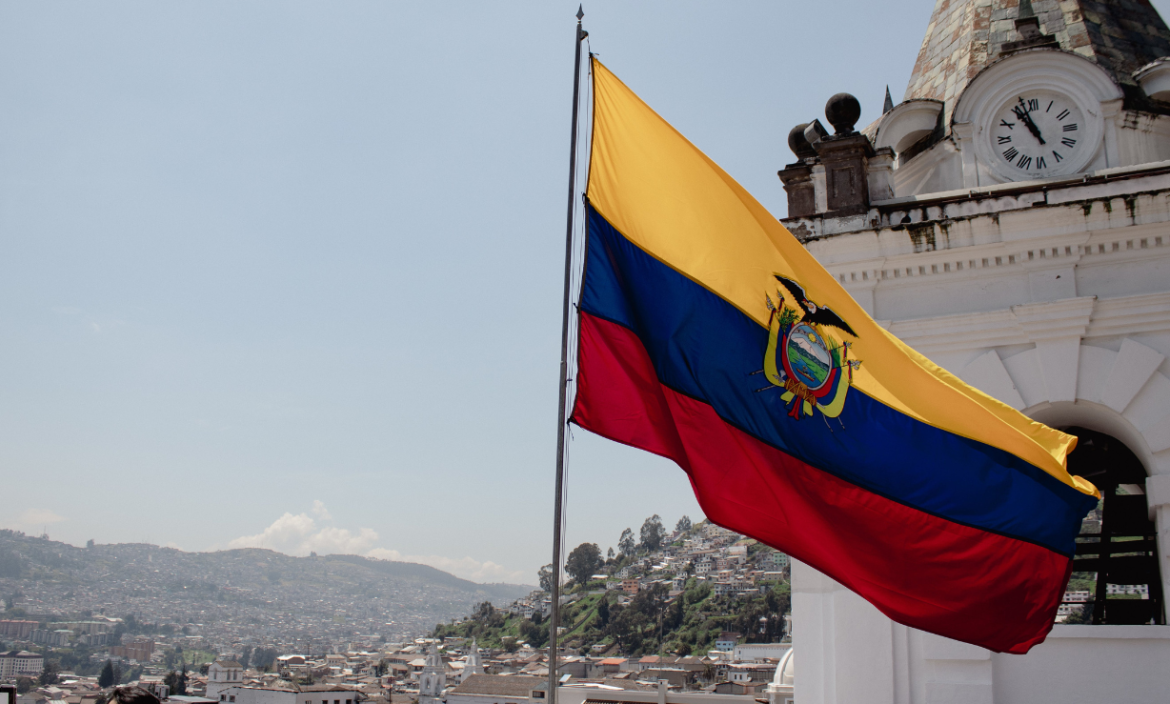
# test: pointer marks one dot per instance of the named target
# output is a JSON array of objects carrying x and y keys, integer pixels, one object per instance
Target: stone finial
[
  {"x": 842, "y": 111},
  {"x": 799, "y": 144},
  {"x": 889, "y": 104}
]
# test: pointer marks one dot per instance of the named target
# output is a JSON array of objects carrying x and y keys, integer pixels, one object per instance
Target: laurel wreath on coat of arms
[{"x": 812, "y": 368}]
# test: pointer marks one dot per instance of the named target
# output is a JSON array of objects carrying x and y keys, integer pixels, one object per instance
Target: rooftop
[{"x": 500, "y": 685}]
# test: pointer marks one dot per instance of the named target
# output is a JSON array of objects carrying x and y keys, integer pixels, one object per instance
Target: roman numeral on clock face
[
  {"x": 1009, "y": 125},
  {"x": 1071, "y": 127},
  {"x": 1068, "y": 142},
  {"x": 1005, "y": 140},
  {"x": 1040, "y": 163},
  {"x": 1062, "y": 114},
  {"x": 1010, "y": 154},
  {"x": 1025, "y": 162}
]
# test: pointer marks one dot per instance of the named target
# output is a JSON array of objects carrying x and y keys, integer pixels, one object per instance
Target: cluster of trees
[
  {"x": 50, "y": 674},
  {"x": 586, "y": 560},
  {"x": 175, "y": 658},
  {"x": 690, "y": 623},
  {"x": 259, "y": 658},
  {"x": 495, "y": 628},
  {"x": 649, "y": 623},
  {"x": 110, "y": 675},
  {"x": 176, "y": 682},
  {"x": 131, "y": 624}
]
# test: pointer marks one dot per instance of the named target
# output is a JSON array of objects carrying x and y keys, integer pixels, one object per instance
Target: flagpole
[{"x": 555, "y": 620}]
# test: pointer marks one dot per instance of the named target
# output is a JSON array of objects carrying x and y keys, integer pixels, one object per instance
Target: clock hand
[{"x": 1024, "y": 117}]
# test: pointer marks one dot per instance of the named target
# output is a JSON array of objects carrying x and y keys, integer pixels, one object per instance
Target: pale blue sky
[{"x": 260, "y": 259}]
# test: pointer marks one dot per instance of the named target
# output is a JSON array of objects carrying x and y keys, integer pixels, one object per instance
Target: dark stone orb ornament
[
  {"x": 798, "y": 143},
  {"x": 842, "y": 111}
]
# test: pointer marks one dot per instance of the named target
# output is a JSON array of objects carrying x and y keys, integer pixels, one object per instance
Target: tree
[
  {"x": 118, "y": 674},
  {"x": 263, "y": 657},
  {"x": 603, "y": 612},
  {"x": 176, "y": 682},
  {"x": 626, "y": 543},
  {"x": 683, "y": 525},
  {"x": 24, "y": 684},
  {"x": 583, "y": 562},
  {"x": 49, "y": 674},
  {"x": 609, "y": 555},
  {"x": 245, "y": 656},
  {"x": 545, "y": 575},
  {"x": 106, "y": 678},
  {"x": 483, "y": 611},
  {"x": 652, "y": 533}
]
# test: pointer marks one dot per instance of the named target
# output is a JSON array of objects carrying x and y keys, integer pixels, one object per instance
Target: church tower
[
  {"x": 1010, "y": 220},
  {"x": 474, "y": 664},
  {"x": 433, "y": 680},
  {"x": 223, "y": 675}
]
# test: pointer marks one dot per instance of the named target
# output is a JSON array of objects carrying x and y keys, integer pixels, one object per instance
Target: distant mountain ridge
[{"x": 165, "y": 584}]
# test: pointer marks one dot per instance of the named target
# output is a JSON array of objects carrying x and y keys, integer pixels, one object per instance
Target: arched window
[{"x": 1117, "y": 548}]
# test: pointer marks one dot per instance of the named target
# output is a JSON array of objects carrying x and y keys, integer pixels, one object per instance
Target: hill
[
  {"x": 676, "y": 610},
  {"x": 652, "y": 623},
  {"x": 234, "y": 595}
]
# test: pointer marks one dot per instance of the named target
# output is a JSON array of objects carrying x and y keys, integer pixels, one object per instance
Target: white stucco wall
[
  {"x": 1054, "y": 297},
  {"x": 850, "y": 652}
]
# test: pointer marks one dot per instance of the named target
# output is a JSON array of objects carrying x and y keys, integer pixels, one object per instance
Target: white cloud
[
  {"x": 33, "y": 518},
  {"x": 320, "y": 511},
  {"x": 301, "y": 534}
]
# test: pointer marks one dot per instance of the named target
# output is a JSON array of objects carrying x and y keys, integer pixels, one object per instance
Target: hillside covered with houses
[{"x": 696, "y": 589}]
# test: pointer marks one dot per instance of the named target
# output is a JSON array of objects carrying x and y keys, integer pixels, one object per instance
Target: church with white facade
[{"x": 1010, "y": 219}]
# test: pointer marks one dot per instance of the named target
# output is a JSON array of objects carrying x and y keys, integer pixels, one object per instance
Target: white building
[
  {"x": 21, "y": 663},
  {"x": 223, "y": 675},
  {"x": 433, "y": 680},
  {"x": 1035, "y": 267},
  {"x": 726, "y": 641},
  {"x": 755, "y": 652},
  {"x": 238, "y": 694},
  {"x": 309, "y": 694},
  {"x": 474, "y": 665},
  {"x": 779, "y": 692}
]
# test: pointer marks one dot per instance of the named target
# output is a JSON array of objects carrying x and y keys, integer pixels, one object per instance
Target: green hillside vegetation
[{"x": 651, "y": 623}]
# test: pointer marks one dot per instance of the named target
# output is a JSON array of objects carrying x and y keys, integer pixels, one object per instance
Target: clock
[
  {"x": 1036, "y": 114},
  {"x": 1038, "y": 133}
]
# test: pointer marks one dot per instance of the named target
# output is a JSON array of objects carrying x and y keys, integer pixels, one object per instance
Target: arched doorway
[{"x": 1118, "y": 541}]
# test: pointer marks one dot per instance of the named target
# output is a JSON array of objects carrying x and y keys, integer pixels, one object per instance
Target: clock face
[{"x": 1038, "y": 133}]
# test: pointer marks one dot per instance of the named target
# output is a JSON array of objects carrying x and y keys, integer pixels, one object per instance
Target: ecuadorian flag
[{"x": 710, "y": 336}]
